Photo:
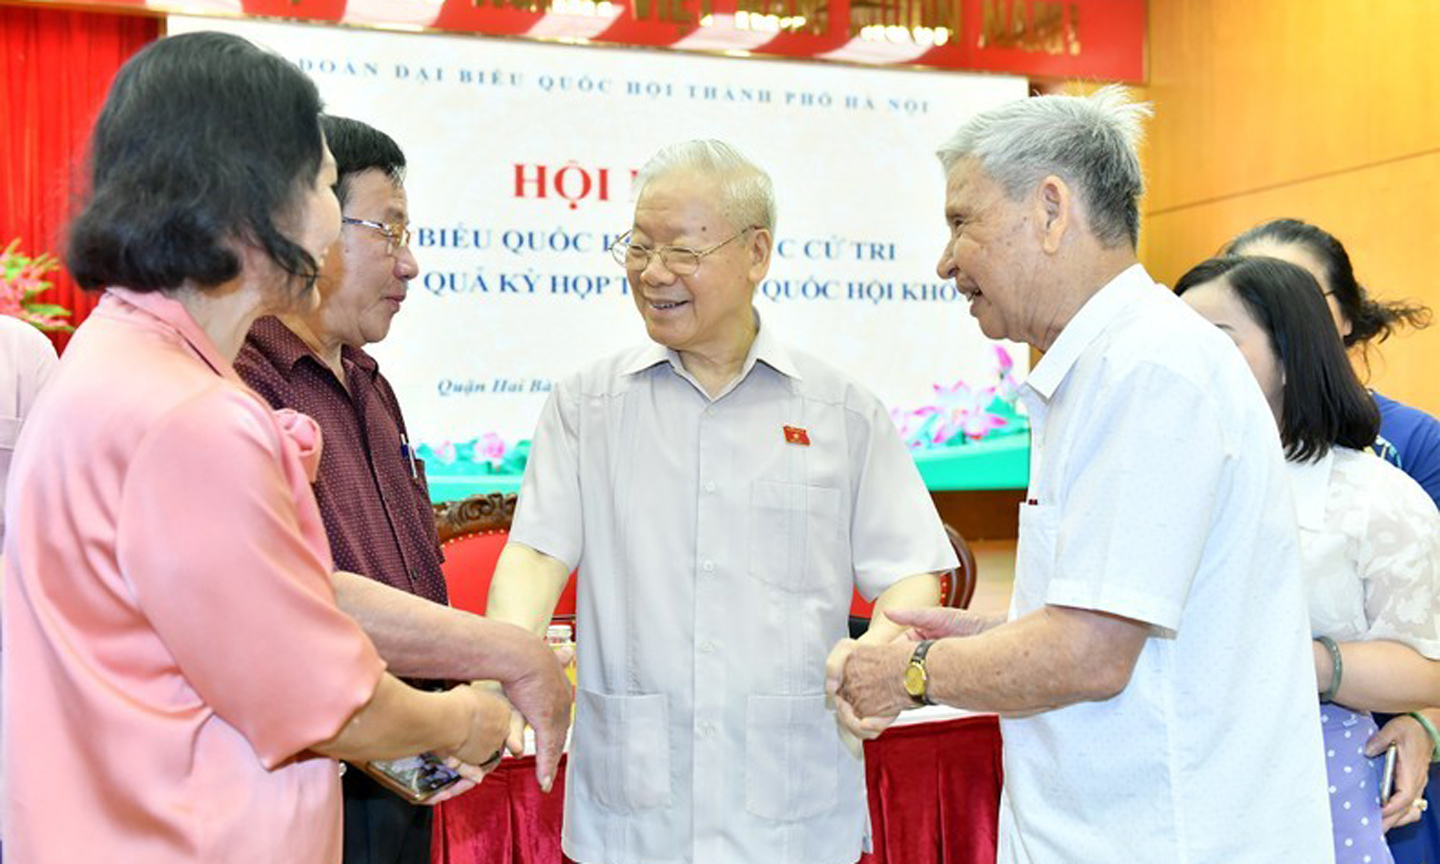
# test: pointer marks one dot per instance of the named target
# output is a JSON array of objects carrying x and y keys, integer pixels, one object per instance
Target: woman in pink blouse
[{"x": 179, "y": 680}]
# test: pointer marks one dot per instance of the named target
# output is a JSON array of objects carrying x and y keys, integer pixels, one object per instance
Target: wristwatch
[{"x": 917, "y": 681}]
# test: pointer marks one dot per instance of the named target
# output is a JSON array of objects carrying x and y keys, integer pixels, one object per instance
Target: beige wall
[{"x": 1325, "y": 110}]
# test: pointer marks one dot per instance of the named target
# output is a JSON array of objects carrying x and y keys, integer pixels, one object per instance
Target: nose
[
  {"x": 945, "y": 267},
  {"x": 406, "y": 267},
  {"x": 656, "y": 273}
]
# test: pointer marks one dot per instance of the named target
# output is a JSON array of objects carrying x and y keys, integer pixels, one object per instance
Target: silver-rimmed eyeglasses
[
  {"x": 680, "y": 260},
  {"x": 396, "y": 236}
]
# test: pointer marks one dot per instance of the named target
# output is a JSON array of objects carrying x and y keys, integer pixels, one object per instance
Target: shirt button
[
  {"x": 707, "y": 566},
  {"x": 706, "y": 647},
  {"x": 709, "y": 486}
]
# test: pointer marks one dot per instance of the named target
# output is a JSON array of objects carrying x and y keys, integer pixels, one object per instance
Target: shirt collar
[
  {"x": 172, "y": 314},
  {"x": 1085, "y": 327},
  {"x": 283, "y": 348},
  {"x": 766, "y": 348}
]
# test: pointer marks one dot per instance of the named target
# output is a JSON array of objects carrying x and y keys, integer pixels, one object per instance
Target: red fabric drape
[
  {"x": 55, "y": 67},
  {"x": 934, "y": 799},
  {"x": 504, "y": 820},
  {"x": 935, "y": 792}
]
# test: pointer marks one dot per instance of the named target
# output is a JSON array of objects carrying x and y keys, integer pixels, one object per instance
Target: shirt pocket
[
  {"x": 1034, "y": 556},
  {"x": 419, "y": 480},
  {"x": 794, "y": 531},
  {"x": 621, "y": 759},
  {"x": 791, "y": 749}
]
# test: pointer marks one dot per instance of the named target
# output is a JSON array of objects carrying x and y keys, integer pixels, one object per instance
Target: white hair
[
  {"x": 747, "y": 193},
  {"x": 1089, "y": 141}
]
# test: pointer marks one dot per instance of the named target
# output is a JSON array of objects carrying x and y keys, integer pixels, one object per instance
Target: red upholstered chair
[
  {"x": 957, "y": 586},
  {"x": 472, "y": 533}
]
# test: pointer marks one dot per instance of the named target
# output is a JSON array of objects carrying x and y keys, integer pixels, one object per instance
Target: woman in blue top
[{"x": 1409, "y": 439}]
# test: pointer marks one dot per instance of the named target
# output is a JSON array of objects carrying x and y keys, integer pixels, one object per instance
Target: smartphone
[
  {"x": 1387, "y": 775},
  {"x": 416, "y": 779}
]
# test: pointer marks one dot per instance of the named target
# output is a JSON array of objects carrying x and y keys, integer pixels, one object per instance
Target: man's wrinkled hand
[
  {"x": 939, "y": 622},
  {"x": 863, "y": 728},
  {"x": 542, "y": 699},
  {"x": 872, "y": 684}
]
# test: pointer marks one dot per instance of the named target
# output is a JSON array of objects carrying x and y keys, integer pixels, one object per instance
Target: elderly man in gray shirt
[{"x": 722, "y": 496}]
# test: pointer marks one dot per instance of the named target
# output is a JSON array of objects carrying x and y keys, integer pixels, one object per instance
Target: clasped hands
[
  {"x": 540, "y": 699},
  {"x": 864, "y": 679}
]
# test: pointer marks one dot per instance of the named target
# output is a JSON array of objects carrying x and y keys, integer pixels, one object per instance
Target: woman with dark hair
[
  {"x": 181, "y": 679},
  {"x": 1409, "y": 439},
  {"x": 1369, "y": 536}
]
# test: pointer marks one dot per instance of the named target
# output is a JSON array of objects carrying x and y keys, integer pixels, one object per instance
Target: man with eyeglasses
[
  {"x": 371, "y": 489},
  {"x": 722, "y": 495}
]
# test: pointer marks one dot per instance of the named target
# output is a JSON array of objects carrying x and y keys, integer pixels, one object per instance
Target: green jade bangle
[
  {"x": 1337, "y": 668},
  {"x": 1432, "y": 732}
]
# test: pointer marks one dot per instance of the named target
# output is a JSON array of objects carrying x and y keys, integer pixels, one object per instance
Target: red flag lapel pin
[{"x": 797, "y": 435}]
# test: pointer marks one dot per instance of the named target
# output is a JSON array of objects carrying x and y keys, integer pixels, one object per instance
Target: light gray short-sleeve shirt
[{"x": 718, "y": 543}]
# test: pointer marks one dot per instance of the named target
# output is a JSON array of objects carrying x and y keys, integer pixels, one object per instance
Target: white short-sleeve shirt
[
  {"x": 1158, "y": 493},
  {"x": 27, "y": 360},
  {"x": 1370, "y": 543},
  {"x": 718, "y": 543}
]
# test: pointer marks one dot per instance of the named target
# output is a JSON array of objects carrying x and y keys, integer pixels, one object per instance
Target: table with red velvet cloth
[{"x": 934, "y": 799}]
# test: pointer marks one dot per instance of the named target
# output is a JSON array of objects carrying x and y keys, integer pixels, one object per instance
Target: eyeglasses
[
  {"x": 396, "y": 236},
  {"x": 680, "y": 260}
]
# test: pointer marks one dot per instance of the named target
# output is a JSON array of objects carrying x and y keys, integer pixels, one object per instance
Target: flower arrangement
[
  {"x": 21, "y": 281},
  {"x": 488, "y": 454},
  {"x": 962, "y": 414}
]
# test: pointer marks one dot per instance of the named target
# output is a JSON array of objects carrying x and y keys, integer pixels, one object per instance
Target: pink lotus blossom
[
  {"x": 445, "y": 453},
  {"x": 491, "y": 446}
]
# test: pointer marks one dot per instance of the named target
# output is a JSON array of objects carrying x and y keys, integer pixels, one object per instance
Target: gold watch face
[{"x": 915, "y": 680}]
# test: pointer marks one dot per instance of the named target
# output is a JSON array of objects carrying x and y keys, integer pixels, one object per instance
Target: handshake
[{"x": 865, "y": 677}]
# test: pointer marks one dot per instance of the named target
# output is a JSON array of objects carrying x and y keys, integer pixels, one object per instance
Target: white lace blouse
[{"x": 1370, "y": 548}]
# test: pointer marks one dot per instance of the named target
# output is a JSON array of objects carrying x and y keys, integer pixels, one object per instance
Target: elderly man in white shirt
[
  {"x": 1155, "y": 672},
  {"x": 722, "y": 495}
]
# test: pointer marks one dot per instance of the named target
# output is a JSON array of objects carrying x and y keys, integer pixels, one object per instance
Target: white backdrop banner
[{"x": 521, "y": 157}]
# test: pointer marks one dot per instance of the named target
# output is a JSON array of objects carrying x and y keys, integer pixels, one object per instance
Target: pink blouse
[{"x": 172, "y": 644}]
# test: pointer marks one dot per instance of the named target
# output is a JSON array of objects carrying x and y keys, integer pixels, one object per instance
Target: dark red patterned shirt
[{"x": 376, "y": 509}]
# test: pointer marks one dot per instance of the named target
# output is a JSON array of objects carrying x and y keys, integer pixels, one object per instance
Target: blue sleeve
[{"x": 1416, "y": 438}]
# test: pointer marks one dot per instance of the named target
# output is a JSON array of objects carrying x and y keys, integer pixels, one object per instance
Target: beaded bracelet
[
  {"x": 1336, "y": 668},
  {"x": 1432, "y": 732}
]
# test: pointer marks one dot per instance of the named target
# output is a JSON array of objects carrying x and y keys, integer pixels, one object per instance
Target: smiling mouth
[{"x": 667, "y": 305}]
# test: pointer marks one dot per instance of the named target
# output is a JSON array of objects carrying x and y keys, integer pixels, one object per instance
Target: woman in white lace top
[{"x": 1370, "y": 536}]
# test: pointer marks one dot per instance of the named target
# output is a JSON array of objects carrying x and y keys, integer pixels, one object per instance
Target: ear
[
  {"x": 1054, "y": 206},
  {"x": 759, "y": 247}
]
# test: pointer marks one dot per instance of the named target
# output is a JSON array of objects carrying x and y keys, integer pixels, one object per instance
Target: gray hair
[
  {"x": 1089, "y": 141},
  {"x": 748, "y": 196}
]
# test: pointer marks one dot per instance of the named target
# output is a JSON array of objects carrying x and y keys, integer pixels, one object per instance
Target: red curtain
[{"x": 55, "y": 67}]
